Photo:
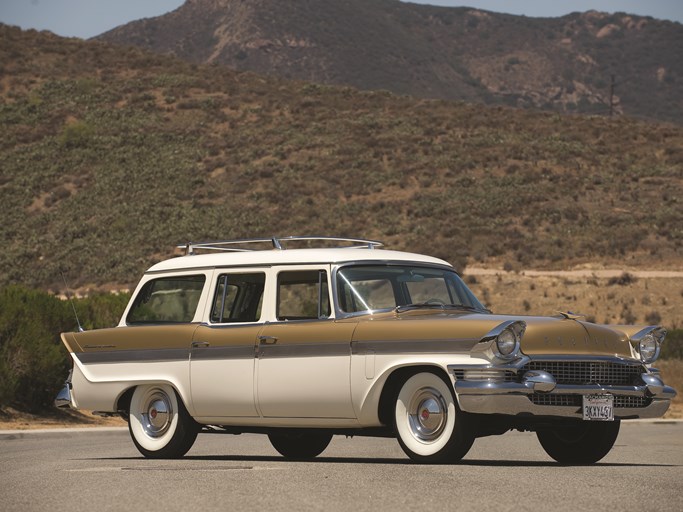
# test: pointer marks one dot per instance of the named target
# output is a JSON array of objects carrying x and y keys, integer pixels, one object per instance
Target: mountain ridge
[{"x": 454, "y": 53}]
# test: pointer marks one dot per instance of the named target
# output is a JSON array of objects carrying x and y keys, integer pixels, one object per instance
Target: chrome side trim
[
  {"x": 268, "y": 351},
  {"x": 232, "y": 352},
  {"x": 435, "y": 346},
  {"x": 277, "y": 350},
  {"x": 133, "y": 356}
]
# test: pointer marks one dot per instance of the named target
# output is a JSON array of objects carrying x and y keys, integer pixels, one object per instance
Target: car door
[
  {"x": 304, "y": 356},
  {"x": 223, "y": 349}
]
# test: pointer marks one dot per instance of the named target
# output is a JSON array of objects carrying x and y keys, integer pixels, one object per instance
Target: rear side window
[{"x": 167, "y": 300}]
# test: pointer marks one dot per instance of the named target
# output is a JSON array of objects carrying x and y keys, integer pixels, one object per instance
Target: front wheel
[
  {"x": 429, "y": 425},
  {"x": 300, "y": 446},
  {"x": 582, "y": 443},
  {"x": 159, "y": 424}
]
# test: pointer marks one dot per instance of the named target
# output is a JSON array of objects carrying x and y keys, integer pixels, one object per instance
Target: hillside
[
  {"x": 111, "y": 156},
  {"x": 563, "y": 64}
]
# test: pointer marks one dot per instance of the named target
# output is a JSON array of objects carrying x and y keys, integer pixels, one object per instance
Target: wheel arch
[
  {"x": 123, "y": 400},
  {"x": 392, "y": 385}
]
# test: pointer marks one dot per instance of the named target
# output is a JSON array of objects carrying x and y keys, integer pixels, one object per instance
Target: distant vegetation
[{"x": 111, "y": 156}]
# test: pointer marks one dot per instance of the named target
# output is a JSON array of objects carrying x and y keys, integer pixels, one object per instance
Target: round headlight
[
  {"x": 648, "y": 348},
  {"x": 506, "y": 343}
]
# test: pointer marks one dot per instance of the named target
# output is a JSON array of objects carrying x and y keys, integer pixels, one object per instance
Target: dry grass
[
  {"x": 11, "y": 419},
  {"x": 642, "y": 301}
]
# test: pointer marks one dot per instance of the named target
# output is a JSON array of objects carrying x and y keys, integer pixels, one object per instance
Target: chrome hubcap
[
  {"x": 157, "y": 414},
  {"x": 427, "y": 414}
]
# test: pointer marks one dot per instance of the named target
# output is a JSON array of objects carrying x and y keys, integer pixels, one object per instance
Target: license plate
[{"x": 598, "y": 407}]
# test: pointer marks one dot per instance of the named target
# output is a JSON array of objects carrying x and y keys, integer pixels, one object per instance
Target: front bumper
[{"x": 536, "y": 393}]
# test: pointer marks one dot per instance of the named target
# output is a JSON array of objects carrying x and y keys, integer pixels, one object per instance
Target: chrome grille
[
  {"x": 557, "y": 400},
  {"x": 507, "y": 376},
  {"x": 631, "y": 401},
  {"x": 566, "y": 400},
  {"x": 589, "y": 372}
]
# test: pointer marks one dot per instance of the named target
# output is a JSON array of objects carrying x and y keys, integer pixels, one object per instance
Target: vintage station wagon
[{"x": 305, "y": 343}]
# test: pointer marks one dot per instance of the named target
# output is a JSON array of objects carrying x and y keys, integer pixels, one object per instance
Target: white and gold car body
[{"x": 342, "y": 370}]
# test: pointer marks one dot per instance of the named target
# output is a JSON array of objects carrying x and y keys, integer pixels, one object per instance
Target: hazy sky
[{"x": 87, "y": 18}]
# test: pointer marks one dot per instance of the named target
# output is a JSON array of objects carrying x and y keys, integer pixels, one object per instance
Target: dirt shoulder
[
  {"x": 578, "y": 273},
  {"x": 11, "y": 419}
]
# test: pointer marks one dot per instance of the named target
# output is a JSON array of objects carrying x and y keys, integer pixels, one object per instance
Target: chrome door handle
[
  {"x": 200, "y": 344},
  {"x": 267, "y": 340}
]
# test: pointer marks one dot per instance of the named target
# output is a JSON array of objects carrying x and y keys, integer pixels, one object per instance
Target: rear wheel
[
  {"x": 429, "y": 425},
  {"x": 585, "y": 442},
  {"x": 300, "y": 446},
  {"x": 159, "y": 424}
]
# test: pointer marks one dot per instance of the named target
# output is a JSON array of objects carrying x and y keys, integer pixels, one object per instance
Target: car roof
[{"x": 291, "y": 257}]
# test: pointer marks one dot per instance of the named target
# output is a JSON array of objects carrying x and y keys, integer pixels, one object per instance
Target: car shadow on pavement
[{"x": 378, "y": 461}]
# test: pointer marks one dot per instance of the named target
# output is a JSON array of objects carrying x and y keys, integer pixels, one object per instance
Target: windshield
[{"x": 376, "y": 287}]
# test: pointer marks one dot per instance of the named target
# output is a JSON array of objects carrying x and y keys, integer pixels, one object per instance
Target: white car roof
[{"x": 290, "y": 257}]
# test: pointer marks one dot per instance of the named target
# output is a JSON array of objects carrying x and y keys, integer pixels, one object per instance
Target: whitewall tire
[
  {"x": 429, "y": 425},
  {"x": 159, "y": 424}
]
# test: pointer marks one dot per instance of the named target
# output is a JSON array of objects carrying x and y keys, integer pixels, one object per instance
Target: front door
[{"x": 304, "y": 357}]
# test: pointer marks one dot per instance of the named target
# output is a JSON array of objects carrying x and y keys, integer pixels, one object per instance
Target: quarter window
[{"x": 167, "y": 300}]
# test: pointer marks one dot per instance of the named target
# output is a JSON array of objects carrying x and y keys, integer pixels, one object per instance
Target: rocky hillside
[
  {"x": 564, "y": 64},
  {"x": 110, "y": 157}
]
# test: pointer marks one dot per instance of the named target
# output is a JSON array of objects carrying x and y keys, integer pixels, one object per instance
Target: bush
[
  {"x": 76, "y": 134},
  {"x": 672, "y": 348},
  {"x": 33, "y": 360},
  {"x": 33, "y": 363},
  {"x": 624, "y": 279}
]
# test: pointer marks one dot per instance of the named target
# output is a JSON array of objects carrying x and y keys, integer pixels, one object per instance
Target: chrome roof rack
[{"x": 276, "y": 242}]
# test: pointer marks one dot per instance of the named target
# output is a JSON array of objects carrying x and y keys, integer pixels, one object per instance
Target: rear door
[{"x": 223, "y": 350}]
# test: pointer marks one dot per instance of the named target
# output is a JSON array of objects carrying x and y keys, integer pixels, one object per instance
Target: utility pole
[{"x": 611, "y": 95}]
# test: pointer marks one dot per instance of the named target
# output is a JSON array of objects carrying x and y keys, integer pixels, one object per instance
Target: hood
[{"x": 543, "y": 335}]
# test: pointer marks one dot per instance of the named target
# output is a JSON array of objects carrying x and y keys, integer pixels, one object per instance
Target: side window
[
  {"x": 302, "y": 295},
  {"x": 238, "y": 298},
  {"x": 167, "y": 300}
]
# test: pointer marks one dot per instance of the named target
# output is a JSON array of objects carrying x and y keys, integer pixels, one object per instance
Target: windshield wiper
[{"x": 433, "y": 305}]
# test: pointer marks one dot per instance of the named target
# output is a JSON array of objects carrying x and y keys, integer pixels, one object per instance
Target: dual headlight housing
[
  {"x": 648, "y": 343},
  {"x": 504, "y": 341}
]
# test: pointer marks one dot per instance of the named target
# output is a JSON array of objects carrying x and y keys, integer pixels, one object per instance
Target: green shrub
[
  {"x": 33, "y": 360},
  {"x": 76, "y": 134},
  {"x": 672, "y": 348}
]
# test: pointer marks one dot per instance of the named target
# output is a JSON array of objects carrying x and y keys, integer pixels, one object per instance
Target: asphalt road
[{"x": 101, "y": 470}]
